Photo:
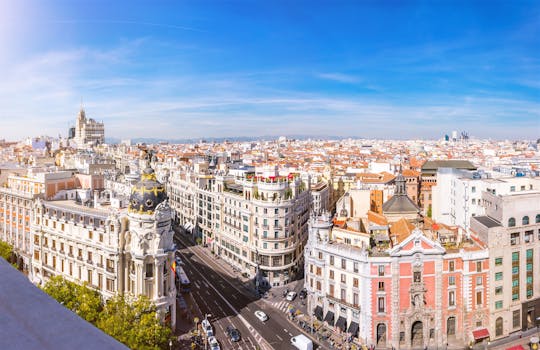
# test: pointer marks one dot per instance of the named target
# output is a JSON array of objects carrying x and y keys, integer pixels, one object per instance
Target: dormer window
[{"x": 417, "y": 243}]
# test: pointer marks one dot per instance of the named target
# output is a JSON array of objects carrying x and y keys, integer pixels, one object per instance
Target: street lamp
[{"x": 170, "y": 344}]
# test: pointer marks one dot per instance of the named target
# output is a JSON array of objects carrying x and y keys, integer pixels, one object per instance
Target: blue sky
[{"x": 184, "y": 69}]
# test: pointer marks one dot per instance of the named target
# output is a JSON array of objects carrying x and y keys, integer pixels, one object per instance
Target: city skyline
[{"x": 190, "y": 70}]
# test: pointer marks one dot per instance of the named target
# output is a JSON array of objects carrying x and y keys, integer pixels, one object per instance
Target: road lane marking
[
  {"x": 240, "y": 317},
  {"x": 280, "y": 338}
]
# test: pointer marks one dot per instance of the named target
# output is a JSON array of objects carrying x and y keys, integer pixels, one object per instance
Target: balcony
[{"x": 343, "y": 302}]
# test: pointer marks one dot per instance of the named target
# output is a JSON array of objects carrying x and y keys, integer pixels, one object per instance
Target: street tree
[
  {"x": 134, "y": 322},
  {"x": 6, "y": 251},
  {"x": 80, "y": 299}
]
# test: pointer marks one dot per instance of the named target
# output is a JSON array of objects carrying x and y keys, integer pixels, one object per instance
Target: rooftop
[
  {"x": 487, "y": 221},
  {"x": 30, "y": 319}
]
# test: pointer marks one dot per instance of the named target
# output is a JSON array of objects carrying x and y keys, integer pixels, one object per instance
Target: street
[{"x": 222, "y": 295}]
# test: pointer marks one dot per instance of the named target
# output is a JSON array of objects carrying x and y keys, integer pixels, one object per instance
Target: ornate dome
[{"x": 146, "y": 194}]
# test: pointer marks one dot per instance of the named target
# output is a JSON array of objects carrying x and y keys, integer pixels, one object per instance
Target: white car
[
  {"x": 291, "y": 296},
  {"x": 261, "y": 315},
  {"x": 213, "y": 343},
  {"x": 207, "y": 328}
]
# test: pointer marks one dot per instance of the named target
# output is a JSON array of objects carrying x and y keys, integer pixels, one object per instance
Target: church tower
[{"x": 149, "y": 246}]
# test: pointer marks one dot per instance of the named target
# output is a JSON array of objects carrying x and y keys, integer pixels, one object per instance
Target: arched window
[
  {"x": 525, "y": 220},
  {"x": 499, "y": 327},
  {"x": 537, "y": 218},
  {"x": 511, "y": 222}
]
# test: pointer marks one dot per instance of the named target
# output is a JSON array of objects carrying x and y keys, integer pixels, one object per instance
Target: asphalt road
[{"x": 221, "y": 295}]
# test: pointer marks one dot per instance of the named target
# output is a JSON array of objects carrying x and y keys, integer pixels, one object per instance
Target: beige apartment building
[
  {"x": 511, "y": 228},
  {"x": 256, "y": 223}
]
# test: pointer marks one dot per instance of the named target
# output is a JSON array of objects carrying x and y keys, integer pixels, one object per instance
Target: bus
[{"x": 182, "y": 281}]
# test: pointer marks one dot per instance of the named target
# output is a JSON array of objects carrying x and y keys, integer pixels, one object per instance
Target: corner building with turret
[{"x": 114, "y": 252}]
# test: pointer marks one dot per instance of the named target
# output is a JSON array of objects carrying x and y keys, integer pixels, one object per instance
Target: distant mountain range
[{"x": 112, "y": 140}]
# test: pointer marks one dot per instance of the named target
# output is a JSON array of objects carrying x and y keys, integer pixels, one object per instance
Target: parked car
[
  {"x": 207, "y": 327},
  {"x": 233, "y": 333},
  {"x": 213, "y": 343},
  {"x": 261, "y": 315},
  {"x": 291, "y": 296}
]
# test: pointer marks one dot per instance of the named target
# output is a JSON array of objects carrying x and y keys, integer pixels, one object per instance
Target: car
[
  {"x": 291, "y": 296},
  {"x": 213, "y": 343},
  {"x": 233, "y": 333},
  {"x": 261, "y": 315},
  {"x": 207, "y": 327}
]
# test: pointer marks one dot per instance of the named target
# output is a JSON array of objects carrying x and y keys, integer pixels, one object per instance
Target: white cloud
[{"x": 339, "y": 77}]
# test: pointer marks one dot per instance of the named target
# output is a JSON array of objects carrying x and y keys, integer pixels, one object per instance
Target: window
[
  {"x": 479, "y": 280},
  {"x": 355, "y": 282},
  {"x": 451, "y": 266},
  {"x": 149, "y": 270},
  {"x": 478, "y": 266},
  {"x": 331, "y": 260},
  {"x": 498, "y": 276},
  {"x": 381, "y": 286},
  {"x": 381, "y": 270},
  {"x": 331, "y": 274},
  {"x": 537, "y": 218},
  {"x": 473, "y": 189},
  {"x": 90, "y": 256},
  {"x": 511, "y": 222},
  {"x": 89, "y": 277},
  {"x": 355, "y": 299},
  {"x": 451, "y": 280},
  {"x": 320, "y": 256},
  {"x": 90, "y": 234},
  {"x": 355, "y": 267},
  {"x": 452, "y": 298},
  {"x": 514, "y": 238},
  {"x": 331, "y": 290},
  {"x": 343, "y": 264},
  {"x": 343, "y": 294},
  {"x": 498, "y": 304},
  {"x": 319, "y": 271},
  {"x": 110, "y": 285},
  {"x": 343, "y": 278},
  {"x": 528, "y": 237},
  {"x": 318, "y": 285},
  {"x": 512, "y": 188},
  {"x": 381, "y": 305},
  {"x": 498, "y": 290},
  {"x": 525, "y": 220},
  {"x": 478, "y": 298},
  {"x": 498, "y": 261},
  {"x": 516, "y": 318}
]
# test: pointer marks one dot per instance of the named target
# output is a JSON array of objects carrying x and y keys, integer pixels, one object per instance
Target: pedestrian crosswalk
[{"x": 282, "y": 306}]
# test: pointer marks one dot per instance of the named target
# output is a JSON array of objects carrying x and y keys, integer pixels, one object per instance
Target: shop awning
[
  {"x": 342, "y": 323},
  {"x": 329, "y": 318},
  {"x": 480, "y": 334},
  {"x": 318, "y": 313},
  {"x": 516, "y": 347},
  {"x": 353, "y": 329}
]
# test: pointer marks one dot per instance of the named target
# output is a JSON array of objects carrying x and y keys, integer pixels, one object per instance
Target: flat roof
[
  {"x": 487, "y": 221},
  {"x": 30, "y": 319}
]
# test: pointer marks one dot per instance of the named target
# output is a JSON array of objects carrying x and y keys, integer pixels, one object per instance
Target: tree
[
  {"x": 80, "y": 299},
  {"x": 6, "y": 250},
  {"x": 134, "y": 322}
]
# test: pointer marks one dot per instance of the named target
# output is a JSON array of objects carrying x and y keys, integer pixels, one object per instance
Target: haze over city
[{"x": 222, "y": 69}]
